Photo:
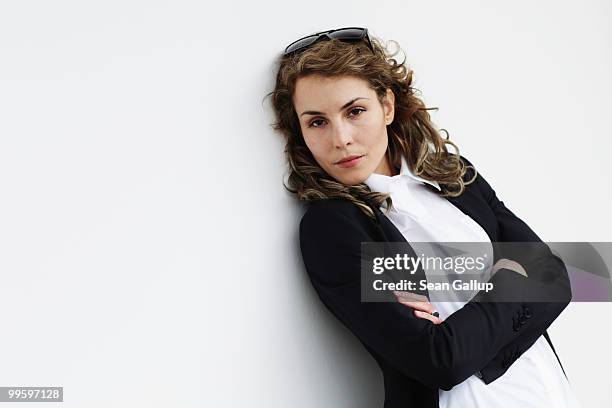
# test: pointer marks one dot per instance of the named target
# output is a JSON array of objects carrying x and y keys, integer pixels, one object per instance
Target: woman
[{"x": 359, "y": 140}]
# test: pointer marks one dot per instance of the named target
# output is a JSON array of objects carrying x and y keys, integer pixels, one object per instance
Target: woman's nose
[{"x": 341, "y": 137}]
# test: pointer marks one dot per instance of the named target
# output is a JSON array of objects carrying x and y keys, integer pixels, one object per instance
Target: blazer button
[
  {"x": 527, "y": 312},
  {"x": 522, "y": 319}
]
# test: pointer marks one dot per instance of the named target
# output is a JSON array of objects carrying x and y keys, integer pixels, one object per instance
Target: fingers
[
  {"x": 423, "y": 306},
  {"x": 409, "y": 296},
  {"x": 424, "y": 315},
  {"x": 420, "y": 303},
  {"x": 508, "y": 264},
  {"x": 414, "y": 300}
]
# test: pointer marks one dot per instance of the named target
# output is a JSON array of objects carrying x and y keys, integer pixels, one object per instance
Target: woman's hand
[
  {"x": 422, "y": 308},
  {"x": 508, "y": 264}
]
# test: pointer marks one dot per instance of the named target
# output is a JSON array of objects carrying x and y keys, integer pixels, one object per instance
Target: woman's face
[{"x": 342, "y": 117}]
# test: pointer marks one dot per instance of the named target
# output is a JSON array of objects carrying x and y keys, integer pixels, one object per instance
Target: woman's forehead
[{"x": 329, "y": 91}]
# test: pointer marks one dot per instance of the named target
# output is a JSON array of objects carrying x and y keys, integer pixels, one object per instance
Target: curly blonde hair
[{"x": 411, "y": 133}]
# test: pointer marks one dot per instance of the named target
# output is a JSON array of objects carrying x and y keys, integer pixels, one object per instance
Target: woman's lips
[{"x": 350, "y": 163}]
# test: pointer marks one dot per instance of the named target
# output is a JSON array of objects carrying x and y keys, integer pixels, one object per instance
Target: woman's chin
[{"x": 351, "y": 179}]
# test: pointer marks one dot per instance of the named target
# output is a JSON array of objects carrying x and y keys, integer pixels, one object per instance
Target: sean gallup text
[{"x": 456, "y": 285}]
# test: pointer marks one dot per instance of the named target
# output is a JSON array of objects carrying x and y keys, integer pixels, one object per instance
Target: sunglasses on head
[{"x": 348, "y": 34}]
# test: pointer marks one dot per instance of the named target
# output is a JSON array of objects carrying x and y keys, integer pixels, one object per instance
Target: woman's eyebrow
[{"x": 346, "y": 105}]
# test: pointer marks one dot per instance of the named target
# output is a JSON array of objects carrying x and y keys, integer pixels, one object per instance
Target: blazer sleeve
[
  {"x": 438, "y": 356},
  {"x": 545, "y": 268}
]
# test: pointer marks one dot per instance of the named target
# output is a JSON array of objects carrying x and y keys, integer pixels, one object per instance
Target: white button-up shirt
[{"x": 535, "y": 379}]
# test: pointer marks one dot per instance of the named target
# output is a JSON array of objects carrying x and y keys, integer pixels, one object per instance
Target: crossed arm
[{"x": 471, "y": 340}]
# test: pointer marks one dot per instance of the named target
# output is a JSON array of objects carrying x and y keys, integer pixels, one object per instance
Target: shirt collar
[{"x": 381, "y": 182}]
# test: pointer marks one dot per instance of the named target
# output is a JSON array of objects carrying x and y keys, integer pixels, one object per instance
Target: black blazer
[{"x": 417, "y": 357}]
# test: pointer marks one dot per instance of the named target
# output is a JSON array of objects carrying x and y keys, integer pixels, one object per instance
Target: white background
[{"x": 148, "y": 251}]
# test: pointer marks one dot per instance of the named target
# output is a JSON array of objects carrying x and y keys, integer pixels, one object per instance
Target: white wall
[{"x": 148, "y": 252}]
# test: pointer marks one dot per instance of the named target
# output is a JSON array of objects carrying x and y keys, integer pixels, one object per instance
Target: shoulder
[
  {"x": 479, "y": 183},
  {"x": 471, "y": 168},
  {"x": 331, "y": 233},
  {"x": 331, "y": 219},
  {"x": 335, "y": 211}
]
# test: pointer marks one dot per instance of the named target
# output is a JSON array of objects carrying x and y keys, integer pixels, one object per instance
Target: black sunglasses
[{"x": 349, "y": 34}]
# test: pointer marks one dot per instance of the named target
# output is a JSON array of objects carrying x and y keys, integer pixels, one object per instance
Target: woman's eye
[
  {"x": 313, "y": 122},
  {"x": 358, "y": 110}
]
